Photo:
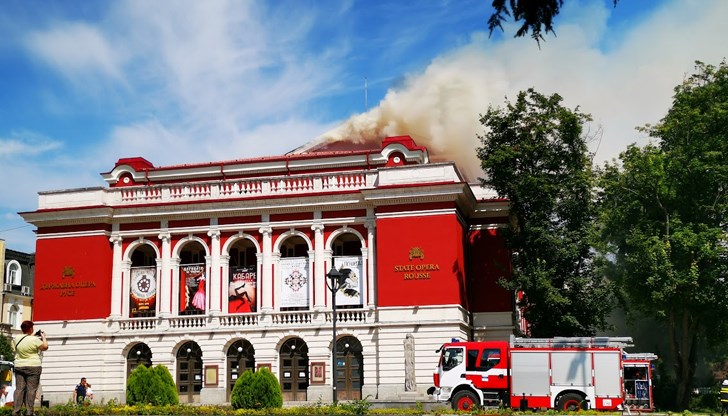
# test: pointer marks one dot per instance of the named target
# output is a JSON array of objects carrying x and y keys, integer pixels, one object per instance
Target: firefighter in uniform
[{"x": 724, "y": 397}]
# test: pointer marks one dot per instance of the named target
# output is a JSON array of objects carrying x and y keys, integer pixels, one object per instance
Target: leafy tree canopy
[
  {"x": 536, "y": 16},
  {"x": 533, "y": 153},
  {"x": 664, "y": 225}
]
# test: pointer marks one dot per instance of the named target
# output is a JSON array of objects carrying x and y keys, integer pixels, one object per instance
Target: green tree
[
  {"x": 6, "y": 350},
  {"x": 664, "y": 225},
  {"x": 535, "y": 16},
  {"x": 534, "y": 154},
  {"x": 259, "y": 390},
  {"x": 151, "y": 386}
]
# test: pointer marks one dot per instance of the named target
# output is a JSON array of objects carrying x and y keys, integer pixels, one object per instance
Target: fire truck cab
[{"x": 526, "y": 373}]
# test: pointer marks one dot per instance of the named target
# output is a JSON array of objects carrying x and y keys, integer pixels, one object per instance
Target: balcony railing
[
  {"x": 242, "y": 188},
  {"x": 298, "y": 319}
]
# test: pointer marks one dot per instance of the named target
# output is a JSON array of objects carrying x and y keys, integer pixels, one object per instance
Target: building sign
[
  {"x": 68, "y": 285},
  {"x": 143, "y": 292},
  {"x": 192, "y": 298},
  {"x": 416, "y": 270},
  {"x": 350, "y": 292},
  {"x": 241, "y": 290},
  {"x": 294, "y": 282}
]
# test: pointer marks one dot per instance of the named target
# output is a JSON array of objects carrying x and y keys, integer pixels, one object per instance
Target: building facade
[
  {"x": 17, "y": 275},
  {"x": 211, "y": 269}
]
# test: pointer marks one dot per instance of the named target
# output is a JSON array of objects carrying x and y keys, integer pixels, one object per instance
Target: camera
[{"x": 38, "y": 333}]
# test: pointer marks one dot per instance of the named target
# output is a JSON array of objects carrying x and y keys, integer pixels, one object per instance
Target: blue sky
[{"x": 84, "y": 83}]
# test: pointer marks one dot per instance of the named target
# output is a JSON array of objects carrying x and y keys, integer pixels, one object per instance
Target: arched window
[
  {"x": 13, "y": 316},
  {"x": 14, "y": 273},
  {"x": 139, "y": 354}
]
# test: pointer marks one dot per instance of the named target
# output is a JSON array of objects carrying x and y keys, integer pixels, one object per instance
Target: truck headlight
[{"x": 445, "y": 390}]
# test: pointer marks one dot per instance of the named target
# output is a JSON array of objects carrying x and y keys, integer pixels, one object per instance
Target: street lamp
[{"x": 335, "y": 281}]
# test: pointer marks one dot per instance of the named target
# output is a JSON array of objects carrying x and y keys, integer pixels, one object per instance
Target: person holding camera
[{"x": 28, "y": 347}]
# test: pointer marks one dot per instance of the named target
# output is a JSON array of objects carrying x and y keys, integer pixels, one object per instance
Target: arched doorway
[
  {"x": 240, "y": 358},
  {"x": 189, "y": 372},
  {"x": 347, "y": 255},
  {"x": 143, "y": 282},
  {"x": 139, "y": 354},
  {"x": 295, "y": 274},
  {"x": 243, "y": 279},
  {"x": 294, "y": 369},
  {"x": 192, "y": 279},
  {"x": 349, "y": 368}
]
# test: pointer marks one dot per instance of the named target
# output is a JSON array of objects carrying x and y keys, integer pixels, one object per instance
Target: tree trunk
[{"x": 684, "y": 336}]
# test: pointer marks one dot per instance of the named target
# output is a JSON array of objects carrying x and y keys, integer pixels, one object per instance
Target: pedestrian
[
  {"x": 28, "y": 367},
  {"x": 82, "y": 390}
]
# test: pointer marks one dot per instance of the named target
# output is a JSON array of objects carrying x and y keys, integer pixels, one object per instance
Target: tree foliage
[
  {"x": 663, "y": 211},
  {"x": 533, "y": 153},
  {"x": 535, "y": 16},
  {"x": 6, "y": 350},
  {"x": 259, "y": 390},
  {"x": 151, "y": 386}
]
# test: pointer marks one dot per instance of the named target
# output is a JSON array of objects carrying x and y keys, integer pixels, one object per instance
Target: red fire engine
[{"x": 553, "y": 373}]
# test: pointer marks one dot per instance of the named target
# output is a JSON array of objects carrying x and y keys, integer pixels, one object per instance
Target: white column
[
  {"x": 125, "y": 288},
  {"x": 276, "y": 279},
  {"x": 224, "y": 276},
  {"x": 173, "y": 287},
  {"x": 371, "y": 226},
  {"x": 319, "y": 273},
  {"x": 164, "y": 283},
  {"x": 116, "y": 278},
  {"x": 215, "y": 284},
  {"x": 266, "y": 275}
]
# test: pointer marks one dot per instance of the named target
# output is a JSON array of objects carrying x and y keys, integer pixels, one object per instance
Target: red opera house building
[{"x": 215, "y": 268}]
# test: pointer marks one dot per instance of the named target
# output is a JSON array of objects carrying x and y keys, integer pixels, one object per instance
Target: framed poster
[
  {"x": 318, "y": 373},
  {"x": 211, "y": 375}
]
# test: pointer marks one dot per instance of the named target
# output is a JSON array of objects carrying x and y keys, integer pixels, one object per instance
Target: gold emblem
[
  {"x": 68, "y": 272},
  {"x": 416, "y": 253}
]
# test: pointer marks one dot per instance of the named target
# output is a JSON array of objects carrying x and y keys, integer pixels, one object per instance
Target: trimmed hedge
[{"x": 259, "y": 390}]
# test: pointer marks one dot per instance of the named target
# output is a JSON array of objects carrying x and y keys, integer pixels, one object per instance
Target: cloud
[
  {"x": 22, "y": 144},
  {"x": 78, "y": 51}
]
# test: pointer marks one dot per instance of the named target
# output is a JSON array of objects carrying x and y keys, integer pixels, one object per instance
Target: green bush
[
  {"x": 259, "y": 390},
  {"x": 170, "y": 389},
  {"x": 151, "y": 386}
]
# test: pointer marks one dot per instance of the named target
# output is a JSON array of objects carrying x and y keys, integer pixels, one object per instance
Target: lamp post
[{"x": 334, "y": 282}]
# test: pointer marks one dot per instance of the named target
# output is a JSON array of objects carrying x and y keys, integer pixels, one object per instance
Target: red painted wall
[
  {"x": 437, "y": 278},
  {"x": 72, "y": 278},
  {"x": 489, "y": 261}
]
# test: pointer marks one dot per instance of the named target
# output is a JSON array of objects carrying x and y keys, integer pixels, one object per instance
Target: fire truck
[{"x": 544, "y": 373}]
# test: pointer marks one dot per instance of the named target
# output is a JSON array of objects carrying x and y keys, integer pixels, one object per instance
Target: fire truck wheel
[
  {"x": 571, "y": 402},
  {"x": 464, "y": 400}
]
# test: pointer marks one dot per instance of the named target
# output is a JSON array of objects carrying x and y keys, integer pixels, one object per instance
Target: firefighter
[{"x": 724, "y": 397}]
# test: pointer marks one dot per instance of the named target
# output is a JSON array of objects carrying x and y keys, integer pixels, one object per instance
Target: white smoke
[{"x": 623, "y": 79}]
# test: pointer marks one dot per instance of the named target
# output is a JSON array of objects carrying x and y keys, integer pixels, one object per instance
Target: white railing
[
  {"x": 248, "y": 320},
  {"x": 242, "y": 188},
  {"x": 138, "y": 324},
  {"x": 239, "y": 320}
]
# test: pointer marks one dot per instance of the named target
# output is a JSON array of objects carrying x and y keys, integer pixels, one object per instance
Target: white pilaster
[
  {"x": 266, "y": 275},
  {"x": 163, "y": 279},
  {"x": 215, "y": 288},
  {"x": 116, "y": 278},
  {"x": 371, "y": 280},
  {"x": 319, "y": 273}
]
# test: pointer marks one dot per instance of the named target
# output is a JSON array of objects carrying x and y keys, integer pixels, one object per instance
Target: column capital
[
  {"x": 265, "y": 230},
  {"x": 165, "y": 237},
  {"x": 214, "y": 234},
  {"x": 116, "y": 239},
  {"x": 370, "y": 224},
  {"x": 318, "y": 228}
]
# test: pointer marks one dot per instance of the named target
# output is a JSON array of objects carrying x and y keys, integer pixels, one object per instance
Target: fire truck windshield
[{"x": 451, "y": 358}]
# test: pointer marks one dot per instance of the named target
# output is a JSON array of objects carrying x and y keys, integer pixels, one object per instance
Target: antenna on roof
[{"x": 366, "y": 92}]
